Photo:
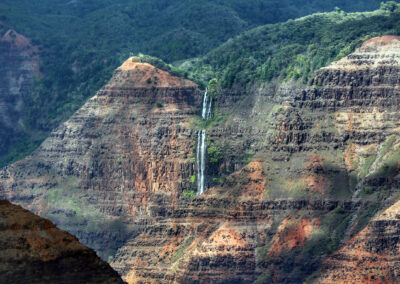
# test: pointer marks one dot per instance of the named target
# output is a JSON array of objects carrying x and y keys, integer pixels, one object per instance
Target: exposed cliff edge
[
  {"x": 33, "y": 250},
  {"x": 301, "y": 170},
  {"x": 128, "y": 143}
]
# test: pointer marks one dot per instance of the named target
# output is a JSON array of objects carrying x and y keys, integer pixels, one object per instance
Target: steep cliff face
[
  {"x": 33, "y": 250},
  {"x": 369, "y": 257},
  {"x": 300, "y": 171},
  {"x": 324, "y": 161},
  {"x": 127, "y": 144},
  {"x": 19, "y": 64}
]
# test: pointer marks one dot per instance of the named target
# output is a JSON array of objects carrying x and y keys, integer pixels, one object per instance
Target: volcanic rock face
[
  {"x": 326, "y": 161},
  {"x": 33, "y": 250},
  {"x": 128, "y": 143},
  {"x": 372, "y": 256},
  {"x": 19, "y": 63},
  {"x": 303, "y": 169}
]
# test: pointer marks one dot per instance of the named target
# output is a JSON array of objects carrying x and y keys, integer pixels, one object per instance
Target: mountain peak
[
  {"x": 147, "y": 75},
  {"x": 381, "y": 40}
]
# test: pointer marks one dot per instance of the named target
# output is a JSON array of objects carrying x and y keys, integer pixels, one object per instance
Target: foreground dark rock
[{"x": 33, "y": 250}]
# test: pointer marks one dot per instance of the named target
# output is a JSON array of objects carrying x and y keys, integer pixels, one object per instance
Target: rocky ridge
[
  {"x": 302, "y": 168},
  {"x": 126, "y": 144},
  {"x": 343, "y": 128},
  {"x": 371, "y": 256}
]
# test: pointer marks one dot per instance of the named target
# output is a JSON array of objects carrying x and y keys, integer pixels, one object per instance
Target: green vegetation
[
  {"x": 264, "y": 278},
  {"x": 193, "y": 179},
  {"x": 23, "y": 146},
  {"x": 119, "y": 160},
  {"x": 219, "y": 180},
  {"x": 181, "y": 250},
  {"x": 389, "y": 157},
  {"x": 189, "y": 193},
  {"x": 248, "y": 156},
  {"x": 295, "y": 49},
  {"x": 214, "y": 154},
  {"x": 82, "y": 42},
  {"x": 69, "y": 208},
  {"x": 368, "y": 190},
  {"x": 160, "y": 64},
  {"x": 159, "y": 104}
]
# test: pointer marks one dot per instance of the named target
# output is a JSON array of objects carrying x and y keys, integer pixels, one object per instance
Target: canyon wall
[
  {"x": 127, "y": 144},
  {"x": 295, "y": 176}
]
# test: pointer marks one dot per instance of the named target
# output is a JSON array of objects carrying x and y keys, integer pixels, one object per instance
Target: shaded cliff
[
  {"x": 294, "y": 172},
  {"x": 19, "y": 64},
  {"x": 128, "y": 143},
  {"x": 33, "y": 250}
]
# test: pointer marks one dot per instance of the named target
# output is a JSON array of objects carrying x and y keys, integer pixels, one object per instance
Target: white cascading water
[{"x": 202, "y": 144}]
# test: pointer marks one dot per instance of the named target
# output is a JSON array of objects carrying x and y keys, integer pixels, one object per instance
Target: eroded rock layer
[
  {"x": 33, "y": 250},
  {"x": 371, "y": 256},
  {"x": 293, "y": 171},
  {"x": 128, "y": 143},
  {"x": 324, "y": 161}
]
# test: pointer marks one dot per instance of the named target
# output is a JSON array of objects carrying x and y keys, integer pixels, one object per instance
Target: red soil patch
[
  {"x": 256, "y": 180},
  {"x": 293, "y": 233},
  {"x": 316, "y": 182},
  {"x": 16, "y": 39},
  {"x": 146, "y": 75},
  {"x": 315, "y": 163},
  {"x": 351, "y": 157},
  {"x": 20, "y": 43},
  {"x": 381, "y": 41}
]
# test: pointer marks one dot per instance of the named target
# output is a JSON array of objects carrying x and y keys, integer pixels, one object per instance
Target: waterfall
[
  {"x": 202, "y": 144},
  {"x": 201, "y": 160}
]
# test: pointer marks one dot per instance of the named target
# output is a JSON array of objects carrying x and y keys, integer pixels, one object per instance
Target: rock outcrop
[
  {"x": 19, "y": 64},
  {"x": 128, "y": 143},
  {"x": 371, "y": 256},
  {"x": 300, "y": 171},
  {"x": 34, "y": 250}
]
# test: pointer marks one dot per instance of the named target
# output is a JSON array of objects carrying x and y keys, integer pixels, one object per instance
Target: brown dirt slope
[{"x": 33, "y": 250}]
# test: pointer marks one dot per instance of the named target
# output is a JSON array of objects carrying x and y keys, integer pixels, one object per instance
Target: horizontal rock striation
[
  {"x": 127, "y": 143},
  {"x": 298, "y": 170},
  {"x": 372, "y": 256},
  {"x": 359, "y": 94}
]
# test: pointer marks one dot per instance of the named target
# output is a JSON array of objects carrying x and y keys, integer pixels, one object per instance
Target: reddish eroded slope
[
  {"x": 371, "y": 256},
  {"x": 381, "y": 41},
  {"x": 34, "y": 250},
  {"x": 145, "y": 75},
  {"x": 292, "y": 233}
]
